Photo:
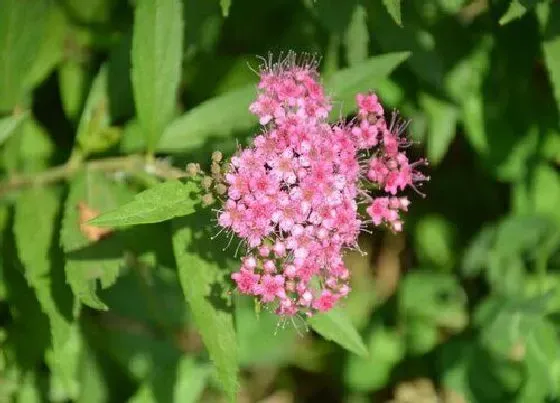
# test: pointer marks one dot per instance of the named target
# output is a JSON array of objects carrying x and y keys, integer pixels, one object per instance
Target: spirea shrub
[{"x": 300, "y": 194}]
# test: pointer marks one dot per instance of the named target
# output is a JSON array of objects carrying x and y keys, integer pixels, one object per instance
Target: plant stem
[{"x": 127, "y": 164}]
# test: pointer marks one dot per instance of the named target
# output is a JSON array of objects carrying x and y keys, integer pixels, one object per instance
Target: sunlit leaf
[
  {"x": 394, "y": 9},
  {"x": 9, "y": 125},
  {"x": 97, "y": 260},
  {"x": 73, "y": 81},
  {"x": 357, "y": 37},
  {"x": 442, "y": 117},
  {"x": 225, "y": 5},
  {"x": 336, "y": 326},
  {"x": 157, "y": 46},
  {"x": 22, "y": 27},
  {"x": 516, "y": 9},
  {"x": 200, "y": 277},
  {"x": 162, "y": 202},
  {"x": 34, "y": 228},
  {"x": 549, "y": 21},
  {"x": 220, "y": 117}
]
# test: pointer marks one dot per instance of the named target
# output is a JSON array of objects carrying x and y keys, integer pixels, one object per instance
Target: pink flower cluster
[{"x": 293, "y": 195}]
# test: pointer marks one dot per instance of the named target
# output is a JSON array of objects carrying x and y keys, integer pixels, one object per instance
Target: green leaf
[
  {"x": 394, "y": 9},
  {"x": 421, "y": 335},
  {"x": 94, "y": 131},
  {"x": 476, "y": 256},
  {"x": 34, "y": 226},
  {"x": 179, "y": 383},
  {"x": 442, "y": 118},
  {"x": 225, "y": 5},
  {"x": 10, "y": 124},
  {"x": 256, "y": 347},
  {"x": 543, "y": 364},
  {"x": 336, "y": 326},
  {"x": 471, "y": 374},
  {"x": 220, "y": 117},
  {"x": 546, "y": 191},
  {"x": 157, "y": 46},
  {"x": 73, "y": 81},
  {"x": 162, "y": 202},
  {"x": 436, "y": 297},
  {"x": 434, "y": 238},
  {"x": 200, "y": 276},
  {"x": 508, "y": 321},
  {"x": 364, "y": 76},
  {"x": 386, "y": 349},
  {"x": 516, "y": 9},
  {"x": 549, "y": 20},
  {"x": 51, "y": 50},
  {"x": 98, "y": 193},
  {"x": 21, "y": 33},
  {"x": 357, "y": 36},
  {"x": 93, "y": 386}
]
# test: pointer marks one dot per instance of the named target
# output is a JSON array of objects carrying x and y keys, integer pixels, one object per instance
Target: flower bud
[
  {"x": 192, "y": 169},
  {"x": 216, "y": 169},
  {"x": 221, "y": 189},
  {"x": 207, "y": 199},
  {"x": 216, "y": 156},
  {"x": 207, "y": 182}
]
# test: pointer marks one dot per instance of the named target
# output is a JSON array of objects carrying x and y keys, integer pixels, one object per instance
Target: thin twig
[{"x": 127, "y": 164}]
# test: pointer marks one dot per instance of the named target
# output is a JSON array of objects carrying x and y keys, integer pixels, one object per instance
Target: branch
[{"x": 127, "y": 164}]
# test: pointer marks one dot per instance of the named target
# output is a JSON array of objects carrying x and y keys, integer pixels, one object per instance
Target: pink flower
[
  {"x": 270, "y": 287},
  {"x": 246, "y": 280},
  {"x": 325, "y": 302},
  {"x": 292, "y": 196}
]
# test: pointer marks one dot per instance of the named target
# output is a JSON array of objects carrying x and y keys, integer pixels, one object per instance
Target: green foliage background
[{"x": 103, "y": 102}]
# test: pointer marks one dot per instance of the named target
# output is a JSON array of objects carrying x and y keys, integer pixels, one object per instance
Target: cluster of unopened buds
[{"x": 299, "y": 196}]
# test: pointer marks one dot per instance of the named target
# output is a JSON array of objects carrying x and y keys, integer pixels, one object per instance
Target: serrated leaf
[
  {"x": 337, "y": 327},
  {"x": 200, "y": 277},
  {"x": 82, "y": 273},
  {"x": 9, "y": 125},
  {"x": 345, "y": 83},
  {"x": 225, "y": 5},
  {"x": 94, "y": 131},
  {"x": 34, "y": 226},
  {"x": 394, "y": 9},
  {"x": 549, "y": 21},
  {"x": 157, "y": 46},
  {"x": 357, "y": 36},
  {"x": 162, "y": 202},
  {"x": 516, "y": 9},
  {"x": 21, "y": 29},
  {"x": 220, "y": 116},
  {"x": 442, "y": 117}
]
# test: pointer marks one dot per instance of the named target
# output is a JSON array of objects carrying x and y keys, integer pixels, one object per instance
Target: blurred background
[{"x": 460, "y": 307}]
